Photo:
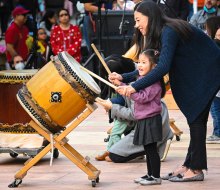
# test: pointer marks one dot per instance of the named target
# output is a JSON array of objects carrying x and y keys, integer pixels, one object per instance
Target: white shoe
[
  {"x": 138, "y": 180},
  {"x": 213, "y": 139},
  {"x": 151, "y": 181}
]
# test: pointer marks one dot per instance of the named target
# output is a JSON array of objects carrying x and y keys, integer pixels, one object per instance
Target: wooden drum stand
[{"x": 60, "y": 142}]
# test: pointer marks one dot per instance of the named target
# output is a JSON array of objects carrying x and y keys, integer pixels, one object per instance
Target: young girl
[
  {"x": 147, "y": 109},
  {"x": 44, "y": 44}
]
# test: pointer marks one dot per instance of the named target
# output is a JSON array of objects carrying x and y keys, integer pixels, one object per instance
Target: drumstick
[
  {"x": 98, "y": 77},
  {"x": 98, "y": 99},
  {"x": 101, "y": 59}
]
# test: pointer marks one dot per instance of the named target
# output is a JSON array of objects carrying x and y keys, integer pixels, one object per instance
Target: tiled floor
[{"x": 87, "y": 138}]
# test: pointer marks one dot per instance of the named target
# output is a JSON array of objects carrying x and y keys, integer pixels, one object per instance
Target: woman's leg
[{"x": 196, "y": 158}]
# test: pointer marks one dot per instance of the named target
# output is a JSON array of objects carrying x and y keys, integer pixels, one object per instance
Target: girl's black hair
[
  {"x": 47, "y": 15},
  {"x": 153, "y": 56},
  {"x": 156, "y": 21}
]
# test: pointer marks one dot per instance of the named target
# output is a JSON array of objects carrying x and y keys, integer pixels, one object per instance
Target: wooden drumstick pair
[
  {"x": 105, "y": 66},
  {"x": 98, "y": 77}
]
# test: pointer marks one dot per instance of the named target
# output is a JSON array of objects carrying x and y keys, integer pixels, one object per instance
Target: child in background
[{"x": 44, "y": 44}]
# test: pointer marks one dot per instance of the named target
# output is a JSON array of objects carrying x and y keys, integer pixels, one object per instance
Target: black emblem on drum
[{"x": 56, "y": 97}]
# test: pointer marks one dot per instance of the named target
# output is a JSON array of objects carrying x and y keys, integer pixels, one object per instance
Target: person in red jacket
[
  {"x": 15, "y": 38},
  {"x": 66, "y": 37}
]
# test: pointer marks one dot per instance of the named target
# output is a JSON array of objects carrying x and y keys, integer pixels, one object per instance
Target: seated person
[
  {"x": 124, "y": 150},
  {"x": 43, "y": 45},
  {"x": 121, "y": 126},
  {"x": 115, "y": 63}
]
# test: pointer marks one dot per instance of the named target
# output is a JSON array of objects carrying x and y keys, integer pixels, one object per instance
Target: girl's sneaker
[
  {"x": 138, "y": 180},
  {"x": 151, "y": 181}
]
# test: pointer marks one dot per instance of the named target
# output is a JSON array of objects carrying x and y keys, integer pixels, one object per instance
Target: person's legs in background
[{"x": 215, "y": 112}]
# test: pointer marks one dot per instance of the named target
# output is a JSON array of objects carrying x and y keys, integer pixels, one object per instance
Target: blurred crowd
[{"x": 52, "y": 26}]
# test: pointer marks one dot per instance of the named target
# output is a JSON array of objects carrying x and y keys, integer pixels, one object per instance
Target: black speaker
[
  {"x": 114, "y": 44},
  {"x": 114, "y": 40}
]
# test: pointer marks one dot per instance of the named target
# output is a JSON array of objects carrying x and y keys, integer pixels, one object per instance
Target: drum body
[
  {"x": 11, "y": 112},
  {"x": 58, "y": 93}
]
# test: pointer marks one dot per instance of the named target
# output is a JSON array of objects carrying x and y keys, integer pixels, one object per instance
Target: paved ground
[{"x": 88, "y": 140}]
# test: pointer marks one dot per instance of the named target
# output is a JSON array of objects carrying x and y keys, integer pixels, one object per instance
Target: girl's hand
[
  {"x": 116, "y": 82},
  {"x": 125, "y": 90},
  {"x": 114, "y": 76}
]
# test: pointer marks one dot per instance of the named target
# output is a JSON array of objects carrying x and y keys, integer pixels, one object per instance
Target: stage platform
[{"x": 88, "y": 139}]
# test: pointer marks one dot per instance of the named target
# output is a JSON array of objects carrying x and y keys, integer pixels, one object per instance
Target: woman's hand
[
  {"x": 114, "y": 76},
  {"x": 125, "y": 90}
]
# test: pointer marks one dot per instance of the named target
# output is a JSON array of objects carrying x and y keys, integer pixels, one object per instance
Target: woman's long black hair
[
  {"x": 156, "y": 21},
  {"x": 47, "y": 15}
]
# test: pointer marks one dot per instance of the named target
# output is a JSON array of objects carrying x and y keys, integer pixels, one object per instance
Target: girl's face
[
  {"x": 141, "y": 22},
  {"x": 63, "y": 17},
  {"x": 144, "y": 65},
  {"x": 41, "y": 34}
]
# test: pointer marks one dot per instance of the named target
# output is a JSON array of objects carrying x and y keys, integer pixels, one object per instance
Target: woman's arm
[
  {"x": 56, "y": 47},
  {"x": 75, "y": 45},
  {"x": 130, "y": 77}
]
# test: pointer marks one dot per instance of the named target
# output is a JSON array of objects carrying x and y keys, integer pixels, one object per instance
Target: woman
[
  {"x": 192, "y": 60},
  {"x": 48, "y": 21},
  {"x": 66, "y": 37}
]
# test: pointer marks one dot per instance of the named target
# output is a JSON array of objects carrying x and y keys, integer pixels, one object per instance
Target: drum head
[{"x": 84, "y": 76}]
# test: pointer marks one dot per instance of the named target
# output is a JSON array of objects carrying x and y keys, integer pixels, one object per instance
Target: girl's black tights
[{"x": 152, "y": 159}]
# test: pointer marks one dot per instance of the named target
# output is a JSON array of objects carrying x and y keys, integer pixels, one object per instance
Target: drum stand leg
[
  {"x": 175, "y": 129},
  {"x": 60, "y": 142}
]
